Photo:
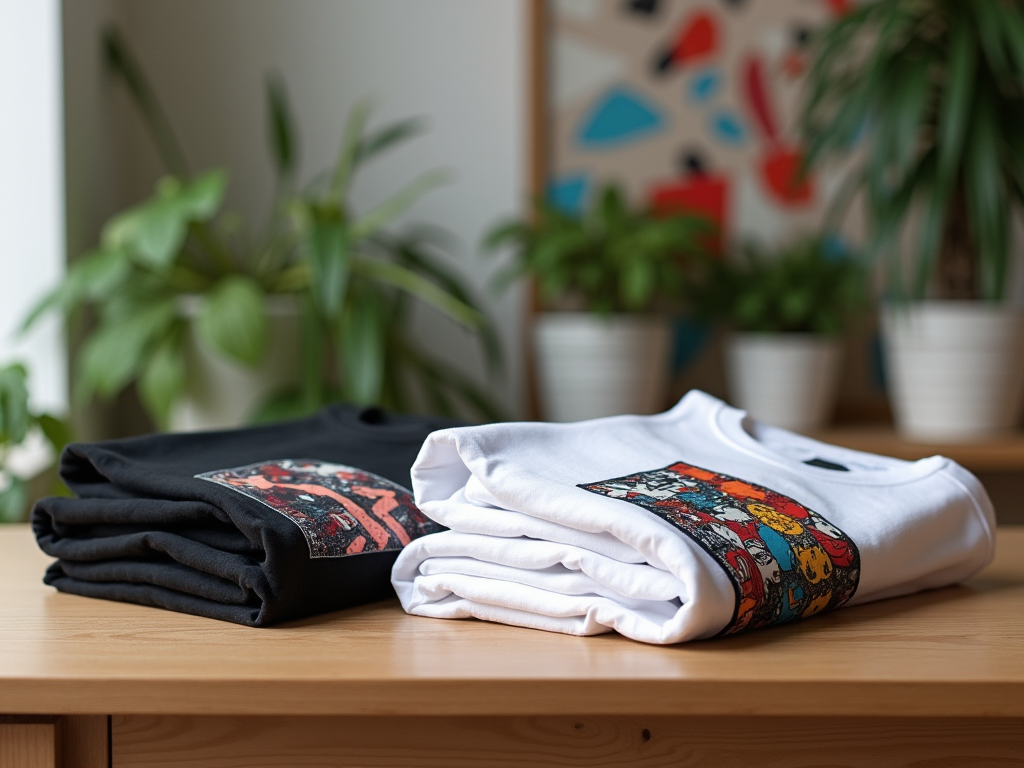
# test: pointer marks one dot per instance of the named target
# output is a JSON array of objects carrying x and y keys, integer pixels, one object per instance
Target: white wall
[
  {"x": 31, "y": 190},
  {"x": 459, "y": 63}
]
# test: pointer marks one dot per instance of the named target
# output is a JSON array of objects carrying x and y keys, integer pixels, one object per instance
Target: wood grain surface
[
  {"x": 28, "y": 745},
  {"x": 84, "y": 741},
  {"x": 952, "y": 652},
  {"x": 644, "y": 742}
]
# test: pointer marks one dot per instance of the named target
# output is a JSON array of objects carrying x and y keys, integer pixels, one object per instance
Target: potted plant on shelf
[
  {"x": 215, "y": 328},
  {"x": 29, "y": 445},
  {"x": 786, "y": 311},
  {"x": 608, "y": 281},
  {"x": 936, "y": 87}
]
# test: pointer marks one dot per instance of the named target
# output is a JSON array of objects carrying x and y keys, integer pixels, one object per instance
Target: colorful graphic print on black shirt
[
  {"x": 785, "y": 561},
  {"x": 341, "y": 510}
]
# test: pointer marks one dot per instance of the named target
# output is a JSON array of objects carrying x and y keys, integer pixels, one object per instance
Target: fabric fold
[
  {"x": 684, "y": 525},
  {"x": 254, "y": 526}
]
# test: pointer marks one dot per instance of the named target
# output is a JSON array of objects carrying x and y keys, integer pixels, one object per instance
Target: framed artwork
[{"x": 686, "y": 105}]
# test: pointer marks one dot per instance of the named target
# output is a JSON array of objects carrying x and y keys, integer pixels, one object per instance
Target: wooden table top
[{"x": 958, "y": 651}]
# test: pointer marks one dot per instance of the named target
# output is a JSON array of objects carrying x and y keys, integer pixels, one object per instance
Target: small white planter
[
  {"x": 955, "y": 369},
  {"x": 789, "y": 380},
  {"x": 221, "y": 393},
  {"x": 589, "y": 367}
]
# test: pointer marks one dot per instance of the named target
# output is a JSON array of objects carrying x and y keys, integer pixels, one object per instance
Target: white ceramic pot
[
  {"x": 589, "y": 367},
  {"x": 789, "y": 380},
  {"x": 221, "y": 393},
  {"x": 955, "y": 369}
]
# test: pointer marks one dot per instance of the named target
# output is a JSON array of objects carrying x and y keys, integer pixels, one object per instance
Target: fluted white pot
[
  {"x": 789, "y": 380},
  {"x": 589, "y": 366},
  {"x": 221, "y": 393},
  {"x": 955, "y": 369}
]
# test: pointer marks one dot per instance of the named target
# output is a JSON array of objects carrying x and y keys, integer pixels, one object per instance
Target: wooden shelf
[{"x": 1002, "y": 454}]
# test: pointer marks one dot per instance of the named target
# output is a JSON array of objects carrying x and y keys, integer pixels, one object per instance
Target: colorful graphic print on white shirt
[{"x": 785, "y": 561}]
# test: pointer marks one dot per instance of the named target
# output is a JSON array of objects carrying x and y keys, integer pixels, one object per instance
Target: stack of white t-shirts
[{"x": 691, "y": 523}]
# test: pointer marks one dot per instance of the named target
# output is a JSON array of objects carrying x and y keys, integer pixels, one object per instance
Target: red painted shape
[
  {"x": 708, "y": 195},
  {"x": 794, "y": 64},
  {"x": 781, "y": 171},
  {"x": 698, "y": 38},
  {"x": 756, "y": 93},
  {"x": 839, "y": 7},
  {"x": 357, "y": 546},
  {"x": 382, "y": 509}
]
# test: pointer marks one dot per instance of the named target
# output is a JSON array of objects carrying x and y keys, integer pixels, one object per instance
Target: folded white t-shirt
[{"x": 684, "y": 525}]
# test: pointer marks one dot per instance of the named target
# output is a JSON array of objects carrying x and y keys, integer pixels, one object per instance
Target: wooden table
[{"x": 935, "y": 679}]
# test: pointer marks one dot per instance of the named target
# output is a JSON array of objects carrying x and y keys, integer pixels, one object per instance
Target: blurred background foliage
[
  {"x": 803, "y": 287},
  {"x": 614, "y": 257},
  {"x": 18, "y": 425},
  {"x": 351, "y": 277},
  {"x": 931, "y": 94}
]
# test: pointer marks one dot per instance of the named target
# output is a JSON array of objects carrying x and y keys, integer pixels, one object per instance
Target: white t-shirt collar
[{"x": 781, "y": 448}]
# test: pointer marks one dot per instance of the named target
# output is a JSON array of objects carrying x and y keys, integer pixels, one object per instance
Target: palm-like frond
[{"x": 936, "y": 87}]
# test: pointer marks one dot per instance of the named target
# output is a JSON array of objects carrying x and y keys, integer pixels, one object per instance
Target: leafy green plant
[
  {"x": 797, "y": 289},
  {"x": 611, "y": 259},
  {"x": 936, "y": 87},
  {"x": 352, "y": 280},
  {"x": 16, "y": 423}
]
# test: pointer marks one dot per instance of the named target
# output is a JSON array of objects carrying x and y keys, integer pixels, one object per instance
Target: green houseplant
[
  {"x": 786, "y": 309},
  {"x": 936, "y": 89},
  {"x": 175, "y": 282},
  {"x": 18, "y": 425},
  {"x": 608, "y": 281}
]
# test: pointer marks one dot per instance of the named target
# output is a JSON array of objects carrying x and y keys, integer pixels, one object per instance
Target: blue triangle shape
[
  {"x": 621, "y": 116},
  {"x": 568, "y": 193}
]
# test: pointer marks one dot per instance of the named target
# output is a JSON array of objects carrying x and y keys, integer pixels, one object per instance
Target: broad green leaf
[
  {"x": 153, "y": 232},
  {"x": 93, "y": 277},
  {"x": 329, "y": 256},
  {"x": 233, "y": 320},
  {"x": 13, "y": 499},
  {"x": 637, "y": 285},
  {"x": 100, "y": 273},
  {"x": 57, "y": 431},
  {"x": 361, "y": 348},
  {"x": 15, "y": 419},
  {"x": 116, "y": 351},
  {"x": 163, "y": 378},
  {"x": 201, "y": 199}
]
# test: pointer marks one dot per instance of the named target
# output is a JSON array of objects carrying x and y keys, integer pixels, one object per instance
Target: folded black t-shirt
[{"x": 254, "y": 525}]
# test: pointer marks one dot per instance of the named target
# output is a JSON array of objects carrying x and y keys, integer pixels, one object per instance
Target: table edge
[{"x": 505, "y": 697}]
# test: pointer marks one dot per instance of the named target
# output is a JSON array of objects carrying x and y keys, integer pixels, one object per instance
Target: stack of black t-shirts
[{"x": 254, "y": 526}]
